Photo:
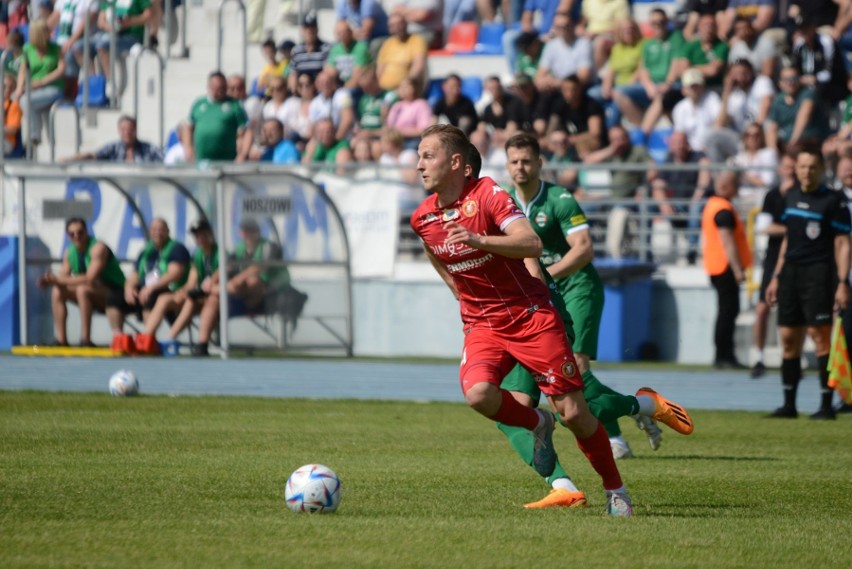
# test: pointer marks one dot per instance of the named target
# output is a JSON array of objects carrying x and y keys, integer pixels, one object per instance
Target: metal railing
[
  {"x": 161, "y": 93},
  {"x": 241, "y": 7}
]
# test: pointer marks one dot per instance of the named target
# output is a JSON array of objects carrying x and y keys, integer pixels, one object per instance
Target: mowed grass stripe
[{"x": 87, "y": 480}]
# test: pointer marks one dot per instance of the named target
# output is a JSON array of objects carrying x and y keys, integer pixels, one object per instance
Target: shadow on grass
[{"x": 709, "y": 457}]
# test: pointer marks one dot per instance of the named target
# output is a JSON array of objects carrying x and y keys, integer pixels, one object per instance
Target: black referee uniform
[{"x": 808, "y": 279}]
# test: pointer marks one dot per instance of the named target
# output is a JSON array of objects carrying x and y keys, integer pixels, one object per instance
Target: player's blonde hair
[{"x": 451, "y": 137}]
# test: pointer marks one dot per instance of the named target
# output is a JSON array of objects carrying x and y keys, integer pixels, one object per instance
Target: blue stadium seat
[
  {"x": 658, "y": 144},
  {"x": 172, "y": 139},
  {"x": 472, "y": 87},
  {"x": 433, "y": 91},
  {"x": 97, "y": 92},
  {"x": 25, "y": 31},
  {"x": 636, "y": 136},
  {"x": 255, "y": 92},
  {"x": 490, "y": 39}
]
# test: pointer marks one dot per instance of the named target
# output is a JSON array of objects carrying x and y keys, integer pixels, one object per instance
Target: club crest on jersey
[
  {"x": 812, "y": 230},
  {"x": 569, "y": 369},
  {"x": 469, "y": 208},
  {"x": 450, "y": 214},
  {"x": 541, "y": 219}
]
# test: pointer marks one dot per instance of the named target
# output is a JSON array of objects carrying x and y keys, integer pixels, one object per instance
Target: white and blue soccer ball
[
  {"x": 313, "y": 488},
  {"x": 123, "y": 383}
]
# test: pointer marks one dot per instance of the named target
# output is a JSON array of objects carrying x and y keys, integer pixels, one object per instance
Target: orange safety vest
[{"x": 715, "y": 258}]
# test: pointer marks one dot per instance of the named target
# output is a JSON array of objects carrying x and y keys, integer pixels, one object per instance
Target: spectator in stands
[
  {"x": 840, "y": 143},
  {"x": 203, "y": 277},
  {"x": 273, "y": 146},
  {"x": 823, "y": 13},
  {"x": 272, "y": 68},
  {"x": 89, "y": 273},
  {"x": 688, "y": 184},
  {"x": 529, "y": 47},
  {"x": 309, "y": 56},
  {"x": 493, "y": 156},
  {"x": 697, "y": 8},
  {"x": 579, "y": 115},
  {"x": 372, "y": 108},
  {"x": 47, "y": 68},
  {"x": 658, "y": 76},
  {"x": 819, "y": 62},
  {"x": 69, "y": 21},
  {"x": 745, "y": 100},
  {"x": 43, "y": 10},
  {"x": 760, "y": 50},
  {"x": 15, "y": 49},
  {"x": 565, "y": 54},
  {"x": 760, "y": 163},
  {"x": 367, "y": 18},
  {"x": 488, "y": 10},
  {"x": 402, "y": 55},
  {"x": 761, "y": 14},
  {"x": 325, "y": 147},
  {"x": 454, "y": 107},
  {"x": 546, "y": 11},
  {"x": 622, "y": 69},
  {"x": 362, "y": 153},
  {"x": 347, "y": 58},
  {"x": 12, "y": 145},
  {"x": 252, "y": 105},
  {"x": 296, "y": 114},
  {"x": 130, "y": 21},
  {"x": 696, "y": 114},
  {"x": 600, "y": 18},
  {"x": 334, "y": 102},
  {"x": 218, "y": 125},
  {"x": 559, "y": 158},
  {"x": 411, "y": 114},
  {"x": 620, "y": 150},
  {"x": 285, "y": 53},
  {"x": 425, "y": 17},
  {"x": 524, "y": 111},
  {"x": 707, "y": 53},
  {"x": 274, "y": 107},
  {"x": 161, "y": 269},
  {"x": 495, "y": 114},
  {"x": 394, "y": 153},
  {"x": 795, "y": 113},
  {"x": 128, "y": 148}
]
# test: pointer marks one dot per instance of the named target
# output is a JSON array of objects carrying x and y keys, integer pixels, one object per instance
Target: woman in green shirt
[{"x": 43, "y": 59}]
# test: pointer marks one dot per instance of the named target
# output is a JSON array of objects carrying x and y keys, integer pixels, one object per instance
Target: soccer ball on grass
[
  {"x": 123, "y": 383},
  {"x": 313, "y": 488}
]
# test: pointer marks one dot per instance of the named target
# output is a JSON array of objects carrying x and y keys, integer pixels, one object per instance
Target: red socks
[
  {"x": 597, "y": 450},
  {"x": 514, "y": 414}
]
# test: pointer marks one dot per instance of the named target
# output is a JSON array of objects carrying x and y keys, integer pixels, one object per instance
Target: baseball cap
[
  {"x": 310, "y": 20},
  {"x": 200, "y": 225},
  {"x": 286, "y": 45},
  {"x": 692, "y": 77}
]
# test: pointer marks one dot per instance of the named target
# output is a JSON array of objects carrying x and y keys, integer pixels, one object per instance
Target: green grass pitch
[{"x": 87, "y": 480}]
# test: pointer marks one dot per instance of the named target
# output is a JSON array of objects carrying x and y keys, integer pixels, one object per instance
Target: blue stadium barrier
[{"x": 472, "y": 87}]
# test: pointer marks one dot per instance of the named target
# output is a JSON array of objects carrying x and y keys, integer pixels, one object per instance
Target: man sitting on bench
[
  {"x": 161, "y": 270},
  {"x": 89, "y": 273}
]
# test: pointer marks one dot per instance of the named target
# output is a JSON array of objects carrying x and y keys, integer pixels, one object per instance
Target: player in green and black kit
[{"x": 561, "y": 224}]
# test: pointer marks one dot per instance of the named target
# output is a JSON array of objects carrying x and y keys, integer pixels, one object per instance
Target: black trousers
[{"x": 728, "y": 293}]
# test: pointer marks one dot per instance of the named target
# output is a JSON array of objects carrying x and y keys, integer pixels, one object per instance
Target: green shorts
[{"x": 586, "y": 309}]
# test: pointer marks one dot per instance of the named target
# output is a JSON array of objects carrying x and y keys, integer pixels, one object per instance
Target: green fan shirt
[{"x": 216, "y": 126}]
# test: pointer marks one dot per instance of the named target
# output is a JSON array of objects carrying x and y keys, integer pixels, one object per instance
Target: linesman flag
[{"x": 839, "y": 368}]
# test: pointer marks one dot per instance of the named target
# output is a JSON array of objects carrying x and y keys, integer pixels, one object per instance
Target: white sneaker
[
  {"x": 647, "y": 424},
  {"x": 620, "y": 448},
  {"x": 618, "y": 504}
]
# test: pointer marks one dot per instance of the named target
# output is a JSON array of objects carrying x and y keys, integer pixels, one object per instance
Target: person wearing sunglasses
[{"x": 89, "y": 272}]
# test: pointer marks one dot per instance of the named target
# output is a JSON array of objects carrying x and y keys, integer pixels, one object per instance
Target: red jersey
[{"x": 493, "y": 290}]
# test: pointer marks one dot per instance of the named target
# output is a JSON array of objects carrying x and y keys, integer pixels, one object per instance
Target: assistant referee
[{"x": 810, "y": 283}]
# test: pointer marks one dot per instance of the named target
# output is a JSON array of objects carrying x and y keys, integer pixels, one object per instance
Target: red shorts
[{"x": 539, "y": 344}]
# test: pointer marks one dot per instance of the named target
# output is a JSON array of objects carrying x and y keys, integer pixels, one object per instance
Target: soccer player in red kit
[{"x": 484, "y": 248}]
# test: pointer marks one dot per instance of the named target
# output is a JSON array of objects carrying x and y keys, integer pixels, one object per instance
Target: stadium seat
[
  {"x": 490, "y": 39},
  {"x": 172, "y": 139},
  {"x": 658, "y": 144},
  {"x": 471, "y": 86},
  {"x": 97, "y": 92},
  {"x": 255, "y": 92},
  {"x": 462, "y": 38},
  {"x": 636, "y": 136},
  {"x": 25, "y": 31},
  {"x": 433, "y": 91}
]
